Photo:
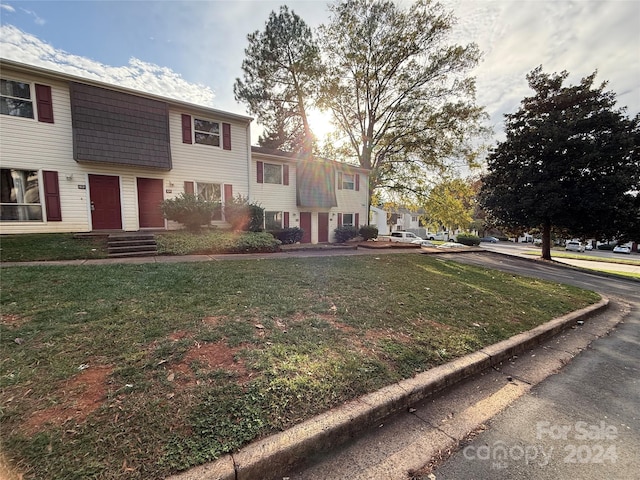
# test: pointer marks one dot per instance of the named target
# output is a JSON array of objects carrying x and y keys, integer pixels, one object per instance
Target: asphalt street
[
  {"x": 583, "y": 423},
  {"x": 566, "y": 410}
]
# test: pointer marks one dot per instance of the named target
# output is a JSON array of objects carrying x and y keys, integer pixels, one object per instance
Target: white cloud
[
  {"x": 6, "y": 7},
  {"x": 138, "y": 75},
  {"x": 36, "y": 18}
]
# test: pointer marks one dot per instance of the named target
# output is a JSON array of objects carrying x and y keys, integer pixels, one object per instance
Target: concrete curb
[{"x": 274, "y": 456}]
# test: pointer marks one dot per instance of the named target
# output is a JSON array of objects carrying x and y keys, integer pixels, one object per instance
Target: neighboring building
[
  {"x": 78, "y": 155},
  {"x": 316, "y": 195},
  {"x": 378, "y": 219}
]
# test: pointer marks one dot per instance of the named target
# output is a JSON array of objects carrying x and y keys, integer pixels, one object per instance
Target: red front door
[
  {"x": 305, "y": 225},
  {"x": 104, "y": 191},
  {"x": 149, "y": 198},
  {"x": 323, "y": 227}
]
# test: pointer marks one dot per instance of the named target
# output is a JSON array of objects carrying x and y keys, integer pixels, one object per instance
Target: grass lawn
[
  {"x": 50, "y": 246},
  {"x": 138, "y": 371}
]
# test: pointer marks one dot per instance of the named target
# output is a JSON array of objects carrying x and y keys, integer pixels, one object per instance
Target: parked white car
[
  {"x": 574, "y": 246},
  {"x": 621, "y": 249}
]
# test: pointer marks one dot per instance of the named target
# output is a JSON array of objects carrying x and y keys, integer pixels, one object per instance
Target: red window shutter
[
  {"x": 188, "y": 188},
  {"x": 228, "y": 193},
  {"x": 285, "y": 174},
  {"x": 226, "y": 136},
  {"x": 339, "y": 180},
  {"x": 356, "y": 221},
  {"x": 186, "y": 129},
  {"x": 260, "y": 170},
  {"x": 357, "y": 175},
  {"x": 286, "y": 219},
  {"x": 339, "y": 219},
  {"x": 52, "y": 196},
  {"x": 44, "y": 102}
]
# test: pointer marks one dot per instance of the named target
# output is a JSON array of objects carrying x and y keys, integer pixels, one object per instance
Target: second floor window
[
  {"x": 15, "y": 99},
  {"x": 348, "y": 182},
  {"x": 272, "y": 173},
  {"x": 206, "y": 132}
]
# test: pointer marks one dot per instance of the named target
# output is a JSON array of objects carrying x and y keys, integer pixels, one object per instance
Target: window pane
[
  {"x": 16, "y": 108},
  {"x": 347, "y": 219},
  {"x": 272, "y": 220},
  {"x": 21, "y": 213},
  {"x": 207, "y": 139},
  {"x": 19, "y": 186},
  {"x": 209, "y": 191},
  {"x": 206, "y": 126},
  {"x": 272, "y": 173},
  {"x": 15, "y": 89},
  {"x": 348, "y": 182}
]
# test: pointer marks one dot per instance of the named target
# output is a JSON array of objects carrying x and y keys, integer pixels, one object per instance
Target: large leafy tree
[
  {"x": 398, "y": 90},
  {"x": 570, "y": 162},
  {"x": 280, "y": 74},
  {"x": 451, "y": 203}
]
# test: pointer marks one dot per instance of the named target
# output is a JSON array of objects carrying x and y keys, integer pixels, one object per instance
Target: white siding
[{"x": 273, "y": 197}]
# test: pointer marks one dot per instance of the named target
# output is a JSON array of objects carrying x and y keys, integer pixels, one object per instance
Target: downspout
[{"x": 249, "y": 162}]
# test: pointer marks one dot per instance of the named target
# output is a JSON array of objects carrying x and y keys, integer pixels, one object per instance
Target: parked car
[
  {"x": 588, "y": 246},
  {"x": 621, "y": 249},
  {"x": 442, "y": 236},
  {"x": 489, "y": 239},
  {"x": 574, "y": 246},
  {"x": 401, "y": 237}
]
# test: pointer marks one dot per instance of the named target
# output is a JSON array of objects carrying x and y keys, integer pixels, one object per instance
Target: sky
[{"x": 193, "y": 50}]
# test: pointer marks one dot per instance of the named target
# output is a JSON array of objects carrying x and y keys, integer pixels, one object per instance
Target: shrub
[
  {"x": 368, "y": 232},
  {"x": 288, "y": 236},
  {"x": 467, "y": 239},
  {"x": 242, "y": 215},
  {"x": 189, "y": 210},
  {"x": 345, "y": 233},
  {"x": 213, "y": 242},
  {"x": 256, "y": 242}
]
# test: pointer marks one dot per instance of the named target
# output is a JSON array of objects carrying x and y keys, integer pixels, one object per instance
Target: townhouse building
[{"x": 78, "y": 155}]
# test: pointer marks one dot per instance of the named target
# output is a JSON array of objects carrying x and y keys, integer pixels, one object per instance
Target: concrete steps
[{"x": 136, "y": 244}]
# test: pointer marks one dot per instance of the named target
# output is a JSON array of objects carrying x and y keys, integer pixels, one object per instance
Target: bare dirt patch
[
  {"x": 13, "y": 321},
  {"x": 214, "y": 356},
  {"x": 79, "y": 397}
]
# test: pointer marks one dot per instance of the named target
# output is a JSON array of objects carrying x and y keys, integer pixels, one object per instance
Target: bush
[
  {"x": 189, "y": 210},
  {"x": 242, "y": 215},
  {"x": 345, "y": 233},
  {"x": 470, "y": 240},
  {"x": 256, "y": 242},
  {"x": 288, "y": 236},
  {"x": 368, "y": 232},
  {"x": 213, "y": 242}
]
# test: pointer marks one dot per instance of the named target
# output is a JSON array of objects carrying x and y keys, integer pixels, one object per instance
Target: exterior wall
[
  {"x": 274, "y": 197},
  {"x": 31, "y": 145}
]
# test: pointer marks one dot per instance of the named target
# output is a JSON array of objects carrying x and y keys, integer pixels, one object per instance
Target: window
[
  {"x": 15, "y": 99},
  {"x": 20, "y": 195},
  {"x": 348, "y": 181},
  {"x": 272, "y": 173},
  {"x": 212, "y": 193},
  {"x": 272, "y": 220},
  {"x": 206, "y": 132},
  {"x": 347, "y": 219}
]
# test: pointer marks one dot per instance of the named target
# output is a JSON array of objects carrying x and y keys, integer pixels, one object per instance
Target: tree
[
  {"x": 451, "y": 203},
  {"x": 398, "y": 91},
  {"x": 281, "y": 69},
  {"x": 569, "y": 162}
]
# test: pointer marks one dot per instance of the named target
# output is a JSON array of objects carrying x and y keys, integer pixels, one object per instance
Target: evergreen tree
[{"x": 570, "y": 161}]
